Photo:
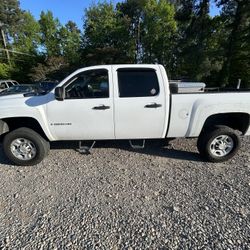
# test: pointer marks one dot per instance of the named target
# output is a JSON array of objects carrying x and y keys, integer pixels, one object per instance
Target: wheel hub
[
  {"x": 221, "y": 145},
  {"x": 23, "y": 149}
]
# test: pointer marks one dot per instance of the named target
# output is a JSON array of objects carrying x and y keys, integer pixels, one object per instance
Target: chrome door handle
[
  {"x": 153, "y": 105},
  {"x": 101, "y": 107}
]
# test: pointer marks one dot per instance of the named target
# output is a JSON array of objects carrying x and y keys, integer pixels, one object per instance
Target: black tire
[
  {"x": 38, "y": 142},
  {"x": 206, "y": 138}
]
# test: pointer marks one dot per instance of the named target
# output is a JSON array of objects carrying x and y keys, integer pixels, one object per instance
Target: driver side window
[{"x": 88, "y": 84}]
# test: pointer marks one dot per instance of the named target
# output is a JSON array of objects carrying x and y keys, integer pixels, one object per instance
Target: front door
[
  {"x": 140, "y": 102},
  {"x": 87, "y": 111}
]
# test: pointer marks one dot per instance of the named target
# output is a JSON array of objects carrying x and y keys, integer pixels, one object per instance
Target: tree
[
  {"x": 159, "y": 27},
  {"x": 201, "y": 31},
  {"x": 27, "y": 39},
  {"x": 50, "y": 33},
  {"x": 194, "y": 44},
  {"x": 9, "y": 18},
  {"x": 22, "y": 38},
  {"x": 9, "y": 14},
  {"x": 133, "y": 11},
  {"x": 184, "y": 16},
  {"x": 53, "y": 68},
  {"x": 236, "y": 19},
  {"x": 180, "y": 34},
  {"x": 151, "y": 29},
  {"x": 70, "y": 41},
  {"x": 106, "y": 37},
  {"x": 5, "y": 71},
  {"x": 24, "y": 46}
]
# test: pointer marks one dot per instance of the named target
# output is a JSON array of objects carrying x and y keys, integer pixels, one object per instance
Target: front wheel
[
  {"x": 218, "y": 144},
  {"x": 25, "y": 147}
]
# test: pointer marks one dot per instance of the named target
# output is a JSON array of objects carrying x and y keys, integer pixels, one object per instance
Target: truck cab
[{"x": 111, "y": 102}]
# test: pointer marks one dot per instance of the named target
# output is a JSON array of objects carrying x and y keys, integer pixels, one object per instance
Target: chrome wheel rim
[
  {"x": 23, "y": 149},
  {"x": 222, "y": 145}
]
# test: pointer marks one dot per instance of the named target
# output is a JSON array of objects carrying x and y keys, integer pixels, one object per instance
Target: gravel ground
[{"x": 116, "y": 198}]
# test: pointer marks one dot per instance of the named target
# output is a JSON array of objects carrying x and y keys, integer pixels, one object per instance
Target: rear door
[{"x": 140, "y": 102}]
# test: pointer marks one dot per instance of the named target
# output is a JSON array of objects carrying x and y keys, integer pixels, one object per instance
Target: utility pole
[
  {"x": 4, "y": 42},
  {"x": 5, "y": 45}
]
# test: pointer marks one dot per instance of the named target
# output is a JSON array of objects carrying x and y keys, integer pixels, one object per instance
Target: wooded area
[{"x": 180, "y": 34}]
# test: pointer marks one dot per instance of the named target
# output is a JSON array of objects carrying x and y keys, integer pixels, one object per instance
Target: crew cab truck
[{"x": 121, "y": 102}]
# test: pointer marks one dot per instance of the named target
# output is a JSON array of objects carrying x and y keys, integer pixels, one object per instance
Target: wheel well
[
  {"x": 236, "y": 121},
  {"x": 28, "y": 122}
]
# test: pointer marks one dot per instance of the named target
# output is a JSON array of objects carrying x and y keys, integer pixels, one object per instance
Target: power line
[
  {"x": 16, "y": 52},
  {"x": 13, "y": 59}
]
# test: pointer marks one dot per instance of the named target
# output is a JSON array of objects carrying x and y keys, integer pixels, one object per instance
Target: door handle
[
  {"x": 101, "y": 107},
  {"x": 153, "y": 105}
]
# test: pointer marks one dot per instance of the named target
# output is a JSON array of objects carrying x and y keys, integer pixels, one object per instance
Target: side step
[
  {"x": 137, "y": 146},
  {"x": 85, "y": 149}
]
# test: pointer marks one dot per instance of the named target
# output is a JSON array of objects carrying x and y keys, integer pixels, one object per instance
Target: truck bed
[
  {"x": 190, "y": 110},
  {"x": 178, "y": 87}
]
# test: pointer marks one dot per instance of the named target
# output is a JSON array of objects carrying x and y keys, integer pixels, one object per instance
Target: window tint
[
  {"x": 89, "y": 84},
  {"x": 137, "y": 82}
]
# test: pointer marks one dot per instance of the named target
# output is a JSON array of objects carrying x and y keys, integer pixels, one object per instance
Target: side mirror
[{"x": 60, "y": 93}]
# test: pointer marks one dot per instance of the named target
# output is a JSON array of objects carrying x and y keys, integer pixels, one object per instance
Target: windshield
[
  {"x": 18, "y": 89},
  {"x": 47, "y": 86}
]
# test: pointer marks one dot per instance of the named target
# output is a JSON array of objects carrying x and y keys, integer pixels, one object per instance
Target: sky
[{"x": 66, "y": 10}]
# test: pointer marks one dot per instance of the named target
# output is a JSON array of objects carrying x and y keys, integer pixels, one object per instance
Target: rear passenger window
[{"x": 137, "y": 82}]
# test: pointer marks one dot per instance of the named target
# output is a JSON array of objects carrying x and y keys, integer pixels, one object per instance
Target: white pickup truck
[{"x": 122, "y": 102}]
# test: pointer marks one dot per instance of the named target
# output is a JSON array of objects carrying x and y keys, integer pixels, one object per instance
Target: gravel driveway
[{"x": 118, "y": 198}]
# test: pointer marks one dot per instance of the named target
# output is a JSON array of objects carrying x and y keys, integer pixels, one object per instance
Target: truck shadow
[
  {"x": 153, "y": 148},
  {"x": 3, "y": 159}
]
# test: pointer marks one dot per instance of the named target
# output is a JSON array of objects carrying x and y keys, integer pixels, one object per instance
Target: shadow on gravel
[
  {"x": 154, "y": 148},
  {"x": 3, "y": 158}
]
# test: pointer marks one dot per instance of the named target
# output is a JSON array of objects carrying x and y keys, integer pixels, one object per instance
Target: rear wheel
[
  {"x": 25, "y": 147},
  {"x": 218, "y": 144}
]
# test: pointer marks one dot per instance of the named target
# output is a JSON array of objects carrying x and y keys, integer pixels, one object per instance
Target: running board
[
  {"x": 85, "y": 149},
  {"x": 134, "y": 146}
]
